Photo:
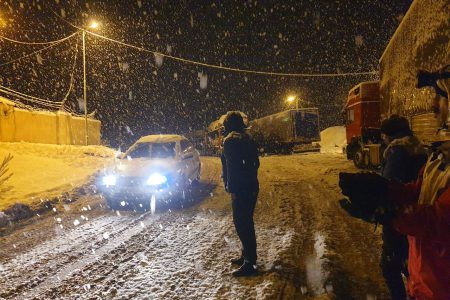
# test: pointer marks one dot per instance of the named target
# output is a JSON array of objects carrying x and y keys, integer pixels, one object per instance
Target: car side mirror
[{"x": 187, "y": 155}]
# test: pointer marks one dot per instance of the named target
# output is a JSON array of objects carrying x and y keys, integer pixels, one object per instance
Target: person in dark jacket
[
  {"x": 240, "y": 165},
  {"x": 403, "y": 158}
]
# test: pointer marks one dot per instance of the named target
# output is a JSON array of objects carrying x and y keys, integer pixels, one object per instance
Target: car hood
[{"x": 141, "y": 167}]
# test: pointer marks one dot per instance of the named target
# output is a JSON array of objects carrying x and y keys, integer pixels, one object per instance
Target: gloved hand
[
  {"x": 366, "y": 183},
  {"x": 367, "y": 197}
]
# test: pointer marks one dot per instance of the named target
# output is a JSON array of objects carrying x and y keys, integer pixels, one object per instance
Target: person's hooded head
[
  {"x": 234, "y": 122},
  {"x": 395, "y": 127}
]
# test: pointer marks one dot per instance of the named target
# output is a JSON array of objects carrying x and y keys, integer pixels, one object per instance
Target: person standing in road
[
  {"x": 403, "y": 158},
  {"x": 240, "y": 163}
]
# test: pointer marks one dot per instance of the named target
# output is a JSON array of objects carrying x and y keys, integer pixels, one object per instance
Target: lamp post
[
  {"x": 84, "y": 90},
  {"x": 92, "y": 25},
  {"x": 293, "y": 98}
]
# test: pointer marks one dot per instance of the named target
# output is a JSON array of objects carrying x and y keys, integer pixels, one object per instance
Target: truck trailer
[{"x": 294, "y": 130}]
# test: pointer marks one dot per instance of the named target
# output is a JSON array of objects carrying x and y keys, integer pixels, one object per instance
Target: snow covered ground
[
  {"x": 332, "y": 139},
  {"x": 42, "y": 171},
  {"x": 308, "y": 247}
]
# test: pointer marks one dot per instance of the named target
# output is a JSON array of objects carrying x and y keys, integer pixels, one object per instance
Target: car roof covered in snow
[{"x": 161, "y": 138}]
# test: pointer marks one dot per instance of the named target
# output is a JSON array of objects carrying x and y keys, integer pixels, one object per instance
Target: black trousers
[
  {"x": 394, "y": 257},
  {"x": 243, "y": 206}
]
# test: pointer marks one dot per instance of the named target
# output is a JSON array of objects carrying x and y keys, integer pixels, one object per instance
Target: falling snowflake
[
  {"x": 39, "y": 59},
  {"x": 359, "y": 41},
  {"x": 159, "y": 59},
  {"x": 203, "y": 80}
]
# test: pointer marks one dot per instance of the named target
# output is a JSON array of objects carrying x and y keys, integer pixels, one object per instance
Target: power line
[
  {"x": 37, "y": 51},
  {"x": 230, "y": 68},
  {"x": 29, "y": 98},
  {"x": 71, "y": 77},
  {"x": 37, "y": 43},
  {"x": 212, "y": 66},
  {"x": 25, "y": 95}
]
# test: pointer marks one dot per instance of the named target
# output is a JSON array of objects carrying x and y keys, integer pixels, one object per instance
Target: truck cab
[{"x": 362, "y": 124}]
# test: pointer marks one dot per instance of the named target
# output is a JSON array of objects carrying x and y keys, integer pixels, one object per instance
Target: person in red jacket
[
  {"x": 420, "y": 210},
  {"x": 424, "y": 216}
]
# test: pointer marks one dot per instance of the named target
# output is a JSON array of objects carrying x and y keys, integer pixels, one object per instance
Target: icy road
[{"x": 308, "y": 248}]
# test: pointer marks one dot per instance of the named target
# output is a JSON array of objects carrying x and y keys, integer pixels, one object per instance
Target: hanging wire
[
  {"x": 189, "y": 61},
  {"x": 72, "y": 76},
  {"x": 37, "y": 100},
  {"x": 29, "y": 99},
  {"x": 37, "y": 43},
  {"x": 21, "y": 98},
  {"x": 37, "y": 51},
  {"x": 29, "y": 96}
]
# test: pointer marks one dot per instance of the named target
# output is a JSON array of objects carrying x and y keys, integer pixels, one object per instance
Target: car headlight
[
  {"x": 109, "y": 180},
  {"x": 156, "y": 179}
]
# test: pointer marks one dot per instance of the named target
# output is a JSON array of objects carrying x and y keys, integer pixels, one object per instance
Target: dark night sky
[{"x": 133, "y": 96}]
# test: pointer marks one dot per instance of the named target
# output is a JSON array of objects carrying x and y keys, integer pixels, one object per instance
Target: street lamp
[
  {"x": 92, "y": 25},
  {"x": 291, "y": 99}
]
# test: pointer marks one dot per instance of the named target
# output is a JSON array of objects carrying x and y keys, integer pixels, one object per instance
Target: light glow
[
  {"x": 290, "y": 98},
  {"x": 109, "y": 180},
  {"x": 156, "y": 179},
  {"x": 93, "y": 25}
]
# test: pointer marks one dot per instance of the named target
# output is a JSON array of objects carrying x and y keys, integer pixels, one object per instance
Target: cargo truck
[
  {"x": 412, "y": 50},
  {"x": 294, "y": 130}
]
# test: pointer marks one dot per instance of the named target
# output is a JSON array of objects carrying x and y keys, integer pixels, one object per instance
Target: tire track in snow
[{"x": 44, "y": 262}]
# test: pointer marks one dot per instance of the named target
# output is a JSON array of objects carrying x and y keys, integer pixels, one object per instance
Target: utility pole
[{"x": 84, "y": 89}]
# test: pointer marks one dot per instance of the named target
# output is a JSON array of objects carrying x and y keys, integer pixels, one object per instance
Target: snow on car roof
[{"x": 161, "y": 138}]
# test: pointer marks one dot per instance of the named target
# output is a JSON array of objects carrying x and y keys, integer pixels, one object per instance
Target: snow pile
[
  {"x": 333, "y": 139},
  {"x": 41, "y": 171}
]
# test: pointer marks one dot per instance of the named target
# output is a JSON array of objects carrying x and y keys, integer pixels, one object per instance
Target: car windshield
[
  {"x": 162, "y": 150},
  {"x": 153, "y": 150},
  {"x": 140, "y": 150}
]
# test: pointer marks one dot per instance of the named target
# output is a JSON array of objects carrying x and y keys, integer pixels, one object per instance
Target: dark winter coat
[
  {"x": 403, "y": 159},
  {"x": 240, "y": 163}
]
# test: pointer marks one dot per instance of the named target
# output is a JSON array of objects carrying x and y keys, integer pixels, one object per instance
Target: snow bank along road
[{"x": 308, "y": 247}]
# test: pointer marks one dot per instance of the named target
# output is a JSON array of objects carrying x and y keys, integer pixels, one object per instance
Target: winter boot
[
  {"x": 247, "y": 269},
  {"x": 237, "y": 261}
]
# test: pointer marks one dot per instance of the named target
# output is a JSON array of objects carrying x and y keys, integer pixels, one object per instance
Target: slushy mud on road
[{"x": 307, "y": 247}]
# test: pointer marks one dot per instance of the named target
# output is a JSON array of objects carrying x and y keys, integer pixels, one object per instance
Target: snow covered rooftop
[{"x": 161, "y": 138}]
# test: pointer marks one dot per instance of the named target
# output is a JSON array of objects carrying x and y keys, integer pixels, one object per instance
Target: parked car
[{"x": 155, "y": 168}]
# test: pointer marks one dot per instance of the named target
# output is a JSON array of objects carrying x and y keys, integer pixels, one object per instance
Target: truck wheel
[{"x": 359, "y": 159}]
